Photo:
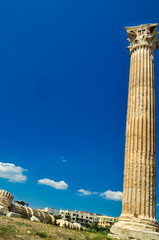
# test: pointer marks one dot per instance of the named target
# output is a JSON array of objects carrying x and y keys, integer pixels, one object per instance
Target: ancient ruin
[
  {"x": 6, "y": 206},
  {"x": 16, "y": 210},
  {"x": 138, "y": 218}
]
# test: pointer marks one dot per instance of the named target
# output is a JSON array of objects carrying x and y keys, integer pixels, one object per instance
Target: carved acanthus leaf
[{"x": 143, "y": 35}]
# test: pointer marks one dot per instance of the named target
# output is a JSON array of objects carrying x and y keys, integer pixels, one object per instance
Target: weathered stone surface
[
  {"x": 138, "y": 218},
  {"x": 6, "y": 206},
  {"x": 34, "y": 219},
  {"x": 27, "y": 212},
  {"x": 123, "y": 233},
  {"x": 3, "y": 210},
  {"x": 68, "y": 224},
  {"x": 52, "y": 219},
  {"x": 5, "y": 200},
  {"x": 77, "y": 226},
  {"x": 12, "y": 214},
  {"x": 61, "y": 222},
  {"x": 18, "y": 209}
]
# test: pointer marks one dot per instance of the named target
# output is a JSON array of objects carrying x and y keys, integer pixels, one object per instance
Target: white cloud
[
  {"x": 157, "y": 204},
  {"x": 12, "y": 172},
  {"x": 63, "y": 159},
  {"x": 112, "y": 195},
  {"x": 83, "y": 192},
  {"x": 57, "y": 185}
]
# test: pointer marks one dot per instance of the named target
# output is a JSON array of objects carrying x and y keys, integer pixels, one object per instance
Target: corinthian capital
[{"x": 143, "y": 35}]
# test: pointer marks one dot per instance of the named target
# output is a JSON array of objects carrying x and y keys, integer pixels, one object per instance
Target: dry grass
[{"x": 23, "y": 229}]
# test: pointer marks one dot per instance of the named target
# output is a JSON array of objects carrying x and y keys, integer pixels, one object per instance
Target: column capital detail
[{"x": 143, "y": 35}]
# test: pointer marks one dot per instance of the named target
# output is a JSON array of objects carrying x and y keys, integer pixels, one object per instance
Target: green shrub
[
  {"x": 94, "y": 228},
  {"x": 57, "y": 217}
]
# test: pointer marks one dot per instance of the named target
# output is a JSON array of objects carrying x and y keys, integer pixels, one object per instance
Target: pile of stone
[
  {"x": 15, "y": 210},
  {"x": 63, "y": 223}
]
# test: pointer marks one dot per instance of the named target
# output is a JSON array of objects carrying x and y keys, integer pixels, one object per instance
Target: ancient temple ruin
[
  {"x": 7, "y": 206},
  {"x": 138, "y": 218}
]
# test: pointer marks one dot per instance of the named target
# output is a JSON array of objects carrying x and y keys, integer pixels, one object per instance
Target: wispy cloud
[
  {"x": 112, "y": 195},
  {"x": 57, "y": 185},
  {"x": 82, "y": 192},
  {"x": 12, "y": 173},
  {"x": 157, "y": 204},
  {"x": 63, "y": 159}
]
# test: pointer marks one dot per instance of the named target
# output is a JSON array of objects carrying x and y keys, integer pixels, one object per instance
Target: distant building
[
  {"x": 106, "y": 221},
  {"x": 51, "y": 211},
  {"x": 78, "y": 216}
]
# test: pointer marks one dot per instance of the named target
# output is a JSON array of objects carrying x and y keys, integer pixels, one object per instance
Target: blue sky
[{"x": 64, "y": 71}]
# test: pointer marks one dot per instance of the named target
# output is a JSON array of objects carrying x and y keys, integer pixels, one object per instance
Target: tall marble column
[{"x": 138, "y": 216}]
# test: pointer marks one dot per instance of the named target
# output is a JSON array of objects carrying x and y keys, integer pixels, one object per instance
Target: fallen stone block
[
  {"x": 35, "y": 219},
  {"x": 12, "y": 214},
  {"x": 60, "y": 222},
  {"x": 77, "y": 226},
  {"x": 3, "y": 210}
]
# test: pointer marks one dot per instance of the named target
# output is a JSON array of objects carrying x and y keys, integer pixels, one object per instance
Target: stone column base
[{"x": 135, "y": 229}]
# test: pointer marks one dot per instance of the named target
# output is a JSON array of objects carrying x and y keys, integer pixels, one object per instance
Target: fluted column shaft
[
  {"x": 138, "y": 218},
  {"x": 140, "y": 149}
]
